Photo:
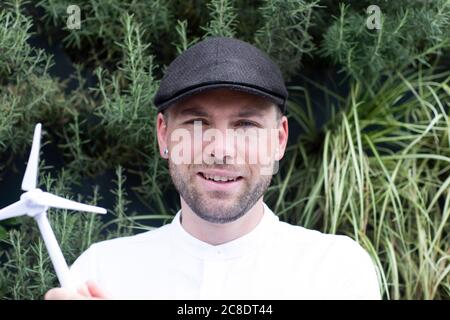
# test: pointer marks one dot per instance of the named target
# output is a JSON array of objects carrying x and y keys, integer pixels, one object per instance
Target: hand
[{"x": 88, "y": 291}]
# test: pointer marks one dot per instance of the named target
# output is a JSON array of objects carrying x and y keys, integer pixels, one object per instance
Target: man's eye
[{"x": 245, "y": 124}]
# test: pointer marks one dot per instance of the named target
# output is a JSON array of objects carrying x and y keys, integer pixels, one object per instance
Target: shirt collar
[{"x": 232, "y": 249}]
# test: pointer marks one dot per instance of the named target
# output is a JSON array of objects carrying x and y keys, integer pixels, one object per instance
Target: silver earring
[{"x": 166, "y": 151}]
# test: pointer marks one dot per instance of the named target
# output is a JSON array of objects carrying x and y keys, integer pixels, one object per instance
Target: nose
[{"x": 221, "y": 149}]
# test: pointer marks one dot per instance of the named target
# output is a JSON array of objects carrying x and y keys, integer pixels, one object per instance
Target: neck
[{"x": 216, "y": 233}]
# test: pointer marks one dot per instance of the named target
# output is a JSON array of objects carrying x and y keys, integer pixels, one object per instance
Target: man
[{"x": 222, "y": 129}]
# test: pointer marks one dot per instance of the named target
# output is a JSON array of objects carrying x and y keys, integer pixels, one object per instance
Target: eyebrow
[
  {"x": 250, "y": 112},
  {"x": 246, "y": 112},
  {"x": 194, "y": 111}
]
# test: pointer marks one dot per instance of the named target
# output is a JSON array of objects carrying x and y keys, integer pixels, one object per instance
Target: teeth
[{"x": 218, "y": 178}]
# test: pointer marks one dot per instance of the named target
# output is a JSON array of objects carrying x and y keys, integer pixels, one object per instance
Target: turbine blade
[
  {"x": 50, "y": 200},
  {"x": 14, "y": 210},
  {"x": 31, "y": 173}
]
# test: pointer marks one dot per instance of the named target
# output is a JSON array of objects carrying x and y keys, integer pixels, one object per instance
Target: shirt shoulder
[
  {"x": 337, "y": 261},
  {"x": 298, "y": 235},
  {"x": 328, "y": 246},
  {"x": 110, "y": 256}
]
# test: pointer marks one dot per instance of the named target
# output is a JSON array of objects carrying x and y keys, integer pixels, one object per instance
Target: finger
[
  {"x": 95, "y": 291},
  {"x": 62, "y": 294},
  {"x": 83, "y": 290}
]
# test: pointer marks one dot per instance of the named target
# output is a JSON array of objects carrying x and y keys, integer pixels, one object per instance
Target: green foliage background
[{"x": 369, "y": 152}]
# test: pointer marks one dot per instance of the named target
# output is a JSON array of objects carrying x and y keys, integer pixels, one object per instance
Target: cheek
[
  {"x": 259, "y": 148},
  {"x": 184, "y": 147}
]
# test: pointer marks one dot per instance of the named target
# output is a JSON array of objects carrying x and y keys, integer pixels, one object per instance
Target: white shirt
[{"x": 275, "y": 260}]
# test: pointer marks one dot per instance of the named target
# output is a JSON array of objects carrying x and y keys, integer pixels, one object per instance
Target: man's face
[{"x": 223, "y": 146}]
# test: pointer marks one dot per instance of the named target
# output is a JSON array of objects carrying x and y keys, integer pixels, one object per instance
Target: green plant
[
  {"x": 411, "y": 32},
  {"x": 285, "y": 34},
  {"x": 381, "y": 175}
]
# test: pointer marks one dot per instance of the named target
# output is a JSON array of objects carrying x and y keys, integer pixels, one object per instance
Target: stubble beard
[{"x": 211, "y": 210}]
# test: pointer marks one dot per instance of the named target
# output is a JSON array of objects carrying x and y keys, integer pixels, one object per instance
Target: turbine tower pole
[{"x": 54, "y": 251}]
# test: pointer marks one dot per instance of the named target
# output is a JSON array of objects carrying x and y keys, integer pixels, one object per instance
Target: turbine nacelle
[{"x": 31, "y": 202}]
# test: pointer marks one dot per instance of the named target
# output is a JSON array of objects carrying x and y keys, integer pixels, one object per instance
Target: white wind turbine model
[{"x": 35, "y": 202}]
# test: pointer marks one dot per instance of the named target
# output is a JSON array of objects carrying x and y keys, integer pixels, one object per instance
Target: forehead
[{"x": 223, "y": 102}]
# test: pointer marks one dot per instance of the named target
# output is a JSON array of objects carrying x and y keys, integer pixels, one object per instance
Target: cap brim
[{"x": 190, "y": 92}]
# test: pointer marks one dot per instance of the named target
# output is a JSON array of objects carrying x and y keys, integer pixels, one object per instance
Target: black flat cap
[{"x": 221, "y": 62}]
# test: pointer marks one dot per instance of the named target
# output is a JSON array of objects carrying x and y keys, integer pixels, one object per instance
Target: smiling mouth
[{"x": 219, "y": 179}]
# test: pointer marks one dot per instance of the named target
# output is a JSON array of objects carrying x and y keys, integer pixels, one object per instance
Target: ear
[
  {"x": 162, "y": 134},
  {"x": 283, "y": 134}
]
